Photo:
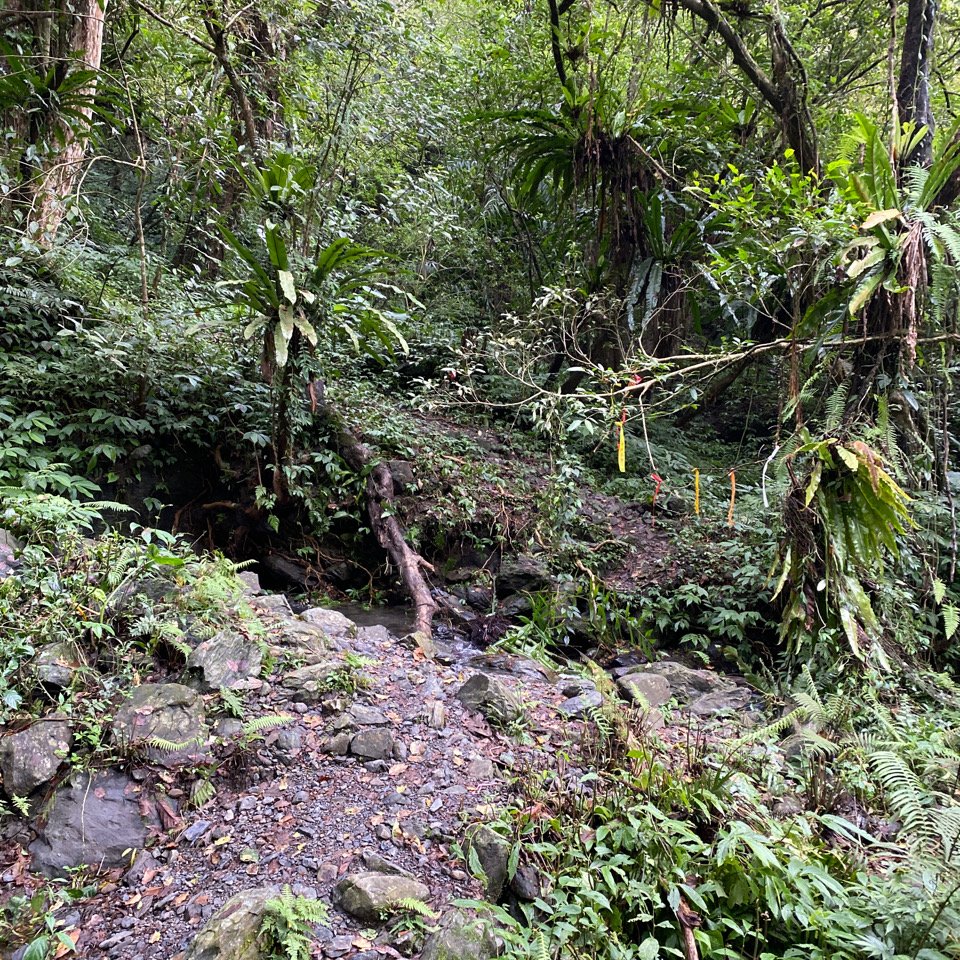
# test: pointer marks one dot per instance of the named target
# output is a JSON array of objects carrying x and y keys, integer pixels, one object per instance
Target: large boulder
[
  {"x": 461, "y": 937},
  {"x": 491, "y": 697},
  {"x": 649, "y": 690},
  {"x": 522, "y": 574},
  {"x": 231, "y": 933},
  {"x": 93, "y": 820},
  {"x": 31, "y": 757},
  {"x": 372, "y": 896},
  {"x": 169, "y": 712},
  {"x": 224, "y": 660},
  {"x": 331, "y": 622},
  {"x": 686, "y": 683}
]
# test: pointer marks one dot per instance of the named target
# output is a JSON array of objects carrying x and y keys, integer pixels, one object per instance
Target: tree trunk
[
  {"x": 57, "y": 179},
  {"x": 913, "y": 88},
  {"x": 383, "y": 521}
]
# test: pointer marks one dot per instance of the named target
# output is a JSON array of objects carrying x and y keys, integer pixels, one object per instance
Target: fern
[
  {"x": 286, "y": 927},
  {"x": 173, "y": 746},
  {"x": 201, "y": 793},
  {"x": 232, "y": 702},
  {"x": 415, "y": 906},
  {"x": 258, "y": 725}
]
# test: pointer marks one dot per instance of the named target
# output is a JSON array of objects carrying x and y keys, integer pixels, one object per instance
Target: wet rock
[
  {"x": 339, "y": 746},
  {"x": 371, "y": 896},
  {"x": 31, "y": 757},
  {"x": 493, "y": 852},
  {"x": 404, "y": 478},
  {"x": 581, "y": 705},
  {"x": 374, "y": 743},
  {"x": 461, "y": 937},
  {"x": 332, "y": 622},
  {"x": 522, "y": 574},
  {"x": 512, "y": 665},
  {"x": 166, "y": 711},
  {"x": 375, "y": 635},
  {"x": 311, "y": 682},
  {"x": 92, "y": 822},
  {"x": 491, "y": 697},
  {"x": 225, "y": 660},
  {"x": 55, "y": 664},
  {"x": 519, "y": 605},
  {"x": 646, "y": 689},
  {"x": 364, "y": 716},
  {"x": 231, "y": 933},
  {"x": 721, "y": 701}
]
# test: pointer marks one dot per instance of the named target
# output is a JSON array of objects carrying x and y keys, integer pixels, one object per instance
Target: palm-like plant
[{"x": 289, "y": 304}]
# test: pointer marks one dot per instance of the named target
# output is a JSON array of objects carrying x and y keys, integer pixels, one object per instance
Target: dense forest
[{"x": 479, "y": 477}]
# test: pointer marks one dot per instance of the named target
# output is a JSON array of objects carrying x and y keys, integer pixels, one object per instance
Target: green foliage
[{"x": 286, "y": 930}]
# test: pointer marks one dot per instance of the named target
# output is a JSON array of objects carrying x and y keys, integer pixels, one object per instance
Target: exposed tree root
[{"x": 383, "y": 521}]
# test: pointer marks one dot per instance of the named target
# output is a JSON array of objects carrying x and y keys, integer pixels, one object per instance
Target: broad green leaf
[
  {"x": 881, "y": 216},
  {"x": 287, "y": 321},
  {"x": 851, "y": 460},
  {"x": 306, "y": 328},
  {"x": 279, "y": 346},
  {"x": 860, "y": 266},
  {"x": 287, "y": 285}
]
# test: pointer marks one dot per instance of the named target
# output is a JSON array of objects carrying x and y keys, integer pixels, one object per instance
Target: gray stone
[
  {"x": 522, "y": 574},
  {"x": 686, "y": 683},
  {"x": 364, "y": 716},
  {"x": 461, "y": 937},
  {"x": 31, "y": 757},
  {"x": 55, "y": 664},
  {"x": 166, "y": 711},
  {"x": 526, "y": 883},
  {"x": 275, "y": 603},
  {"x": 493, "y": 853},
  {"x": 646, "y": 689},
  {"x": 491, "y": 697},
  {"x": 374, "y": 743},
  {"x": 519, "y": 605},
  {"x": 372, "y": 896},
  {"x": 10, "y": 548},
  {"x": 721, "y": 701},
  {"x": 581, "y": 705},
  {"x": 311, "y": 682},
  {"x": 377, "y": 864},
  {"x": 250, "y": 582},
  {"x": 481, "y": 768},
  {"x": 225, "y": 660},
  {"x": 332, "y": 622},
  {"x": 90, "y": 822},
  {"x": 404, "y": 478},
  {"x": 232, "y": 932},
  {"x": 339, "y": 745},
  {"x": 375, "y": 634}
]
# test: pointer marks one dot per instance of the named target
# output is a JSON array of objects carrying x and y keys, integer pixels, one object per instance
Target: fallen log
[{"x": 383, "y": 521}]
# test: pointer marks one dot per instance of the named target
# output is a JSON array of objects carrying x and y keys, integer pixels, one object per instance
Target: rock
[
  {"x": 55, "y": 664},
  {"x": 519, "y": 605},
  {"x": 92, "y": 822},
  {"x": 364, "y": 716},
  {"x": 581, "y": 705},
  {"x": 376, "y": 634},
  {"x": 310, "y": 683},
  {"x": 332, "y": 622},
  {"x": 404, "y": 478},
  {"x": 225, "y": 660},
  {"x": 522, "y": 574},
  {"x": 461, "y": 937},
  {"x": 167, "y": 711},
  {"x": 232, "y": 932},
  {"x": 10, "y": 548},
  {"x": 646, "y": 689},
  {"x": 491, "y": 697},
  {"x": 493, "y": 852},
  {"x": 137, "y": 598},
  {"x": 788, "y": 806},
  {"x": 250, "y": 582},
  {"x": 480, "y": 768},
  {"x": 686, "y": 683},
  {"x": 377, "y": 864},
  {"x": 275, "y": 603},
  {"x": 526, "y": 883},
  {"x": 371, "y": 896},
  {"x": 375, "y": 743},
  {"x": 31, "y": 757},
  {"x": 308, "y": 642},
  {"x": 512, "y": 665},
  {"x": 721, "y": 701},
  {"x": 339, "y": 746}
]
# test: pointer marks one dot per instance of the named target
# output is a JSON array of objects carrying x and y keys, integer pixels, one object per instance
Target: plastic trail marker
[
  {"x": 622, "y": 445},
  {"x": 733, "y": 497},
  {"x": 696, "y": 492}
]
